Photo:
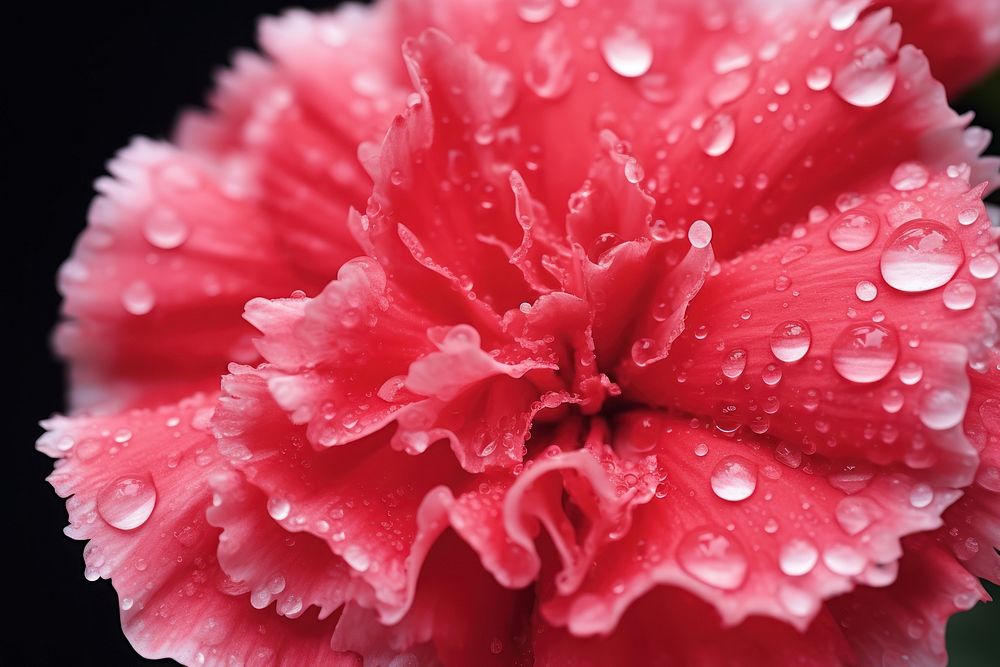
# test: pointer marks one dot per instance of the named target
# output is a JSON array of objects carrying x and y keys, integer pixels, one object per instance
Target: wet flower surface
[{"x": 575, "y": 333}]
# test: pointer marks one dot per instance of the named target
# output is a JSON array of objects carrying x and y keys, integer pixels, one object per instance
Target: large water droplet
[
  {"x": 866, "y": 290},
  {"x": 700, "y": 234},
  {"x": 626, "y": 52},
  {"x": 536, "y": 11},
  {"x": 735, "y": 363},
  {"x": 550, "y": 72},
  {"x": 798, "y": 557},
  {"x": 716, "y": 137},
  {"x": 127, "y": 502},
  {"x": 734, "y": 478},
  {"x": 959, "y": 295},
  {"x": 713, "y": 558},
  {"x": 942, "y": 409},
  {"x": 921, "y": 255},
  {"x": 278, "y": 508},
  {"x": 865, "y": 353},
  {"x": 867, "y": 80},
  {"x": 138, "y": 298},
  {"x": 790, "y": 341},
  {"x": 853, "y": 230},
  {"x": 164, "y": 230},
  {"x": 909, "y": 176}
]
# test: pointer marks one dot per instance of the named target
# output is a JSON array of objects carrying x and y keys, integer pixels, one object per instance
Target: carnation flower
[{"x": 578, "y": 333}]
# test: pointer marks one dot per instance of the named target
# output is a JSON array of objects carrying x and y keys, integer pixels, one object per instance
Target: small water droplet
[
  {"x": 865, "y": 353},
  {"x": 921, "y": 255},
  {"x": 138, "y": 298},
  {"x": 942, "y": 409},
  {"x": 734, "y": 478},
  {"x": 844, "y": 560},
  {"x": 536, "y": 11},
  {"x": 716, "y": 137},
  {"x": 626, "y": 52},
  {"x": 127, "y": 502},
  {"x": 550, "y": 72},
  {"x": 700, "y": 234},
  {"x": 735, "y": 363},
  {"x": 968, "y": 216},
  {"x": 713, "y": 558},
  {"x": 959, "y": 295},
  {"x": 790, "y": 341},
  {"x": 866, "y": 290},
  {"x": 921, "y": 495},
  {"x": 164, "y": 230},
  {"x": 798, "y": 557},
  {"x": 819, "y": 78},
  {"x": 278, "y": 508},
  {"x": 909, "y": 176},
  {"x": 983, "y": 266},
  {"x": 853, "y": 230},
  {"x": 868, "y": 79}
]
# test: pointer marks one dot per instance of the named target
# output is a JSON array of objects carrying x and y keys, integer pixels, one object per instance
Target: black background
[{"x": 86, "y": 78}]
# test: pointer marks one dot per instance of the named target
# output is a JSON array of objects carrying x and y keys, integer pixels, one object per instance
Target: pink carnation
[{"x": 582, "y": 333}]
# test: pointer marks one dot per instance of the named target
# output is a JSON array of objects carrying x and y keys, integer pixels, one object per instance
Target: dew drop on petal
[
  {"x": 164, "y": 230},
  {"x": 855, "y": 514},
  {"x": 854, "y": 230},
  {"x": 713, "y": 558},
  {"x": 909, "y": 176},
  {"x": 550, "y": 71},
  {"x": 790, "y": 340},
  {"x": 797, "y": 557},
  {"x": 865, "y": 353},
  {"x": 983, "y": 266},
  {"x": 867, "y": 80},
  {"x": 819, "y": 78},
  {"x": 844, "y": 560},
  {"x": 735, "y": 363},
  {"x": 734, "y": 478},
  {"x": 921, "y": 495},
  {"x": 627, "y": 52},
  {"x": 910, "y": 373},
  {"x": 716, "y": 137},
  {"x": 959, "y": 295},
  {"x": 797, "y": 601},
  {"x": 127, "y": 502},
  {"x": 278, "y": 508},
  {"x": 138, "y": 298},
  {"x": 968, "y": 216},
  {"x": 942, "y": 409},
  {"x": 921, "y": 255},
  {"x": 700, "y": 234},
  {"x": 536, "y": 11}
]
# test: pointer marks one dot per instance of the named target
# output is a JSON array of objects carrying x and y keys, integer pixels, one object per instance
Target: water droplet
[
  {"x": 856, "y": 514},
  {"x": 278, "y": 508},
  {"x": 942, "y": 409},
  {"x": 626, "y": 52},
  {"x": 983, "y": 266},
  {"x": 127, "y": 502},
  {"x": 536, "y": 11},
  {"x": 798, "y": 557},
  {"x": 701, "y": 449},
  {"x": 728, "y": 88},
  {"x": 968, "y": 216},
  {"x": 716, "y": 137},
  {"x": 734, "y": 478},
  {"x": 892, "y": 401},
  {"x": 921, "y": 495},
  {"x": 794, "y": 254},
  {"x": 731, "y": 57},
  {"x": 853, "y": 230},
  {"x": 909, "y": 176},
  {"x": 867, "y": 80},
  {"x": 959, "y": 295},
  {"x": 788, "y": 454},
  {"x": 865, "y": 353},
  {"x": 713, "y": 558},
  {"x": 790, "y": 341},
  {"x": 797, "y": 601},
  {"x": 846, "y": 15},
  {"x": 550, "y": 71},
  {"x": 633, "y": 171},
  {"x": 700, "y": 234},
  {"x": 844, "y": 560},
  {"x": 138, "y": 298},
  {"x": 921, "y": 255},
  {"x": 819, "y": 78},
  {"x": 735, "y": 363},
  {"x": 866, "y": 290},
  {"x": 164, "y": 230}
]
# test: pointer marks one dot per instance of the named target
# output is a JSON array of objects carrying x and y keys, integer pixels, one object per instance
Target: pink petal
[
  {"x": 960, "y": 37},
  {"x": 809, "y": 342},
  {"x": 905, "y": 622},
  {"x": 158, "y": 279},
  {"x": 139, "y": 491}
]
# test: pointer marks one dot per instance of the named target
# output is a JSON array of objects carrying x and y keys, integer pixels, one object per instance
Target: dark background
[{"x": 87, "y": 79}]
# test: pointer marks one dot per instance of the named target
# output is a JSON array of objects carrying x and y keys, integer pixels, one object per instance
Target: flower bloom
[{"x": 582, "y": 333}]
